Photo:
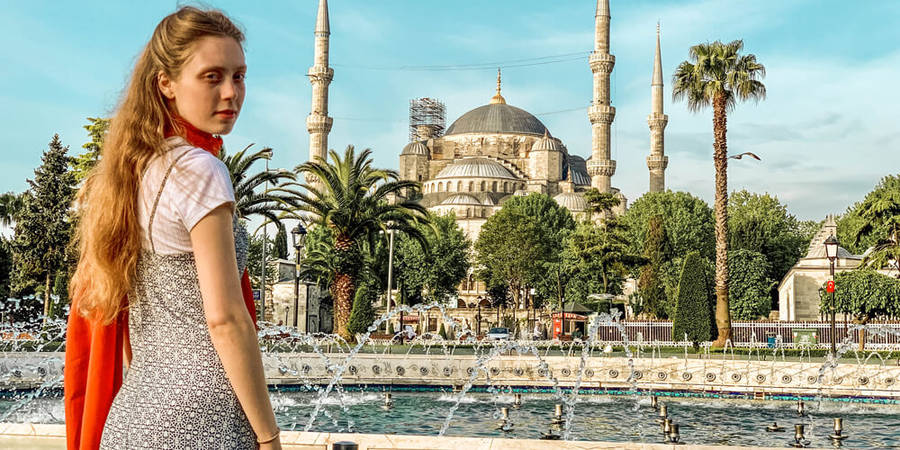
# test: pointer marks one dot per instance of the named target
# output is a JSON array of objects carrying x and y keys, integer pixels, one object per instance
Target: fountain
[{"x": 321, "y": 382}]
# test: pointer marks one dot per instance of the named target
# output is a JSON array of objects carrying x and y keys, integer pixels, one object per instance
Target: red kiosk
[{"x": 571, "y": 321}]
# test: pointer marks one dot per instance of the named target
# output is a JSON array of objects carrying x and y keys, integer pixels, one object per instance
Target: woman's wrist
[{"x": 268, "y": 438}]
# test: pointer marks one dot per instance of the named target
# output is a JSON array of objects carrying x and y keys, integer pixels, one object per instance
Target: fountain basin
[
  {"x": 52, "y": 437},
  {"x": 763, "y": 379}
]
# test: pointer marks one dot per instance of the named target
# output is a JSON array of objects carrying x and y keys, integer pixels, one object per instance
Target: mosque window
[
  {"x": 482, "y": 186},
  {"x": 471, "y": 186},
  {"x": 459, "y": 186},
  {"x": 494, "y": 188}
]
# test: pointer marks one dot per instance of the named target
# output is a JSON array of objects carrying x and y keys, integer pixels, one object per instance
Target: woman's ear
[{"x": 165, "y": 85}]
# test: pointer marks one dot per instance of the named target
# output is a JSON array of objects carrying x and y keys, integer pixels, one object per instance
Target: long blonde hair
[{"x": 108, "y": 231}]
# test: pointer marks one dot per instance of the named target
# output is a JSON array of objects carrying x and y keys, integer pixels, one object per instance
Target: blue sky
[{"x": 827, "y": 132}]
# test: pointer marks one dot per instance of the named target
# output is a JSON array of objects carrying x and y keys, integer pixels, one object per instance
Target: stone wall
[{"x": 759, "y": 378}]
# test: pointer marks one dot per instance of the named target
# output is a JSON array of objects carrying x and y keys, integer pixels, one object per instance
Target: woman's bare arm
[{"x": 230, "y": 326}]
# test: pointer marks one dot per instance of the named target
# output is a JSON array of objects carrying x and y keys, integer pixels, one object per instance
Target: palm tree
[
  {"x": 881, "y": 212},
  {"x": 249, "y": 198},
  {"x": 719, "y": 76},
  {"x": 10, "y": 206},
  {"x": 351, "y": 198}
]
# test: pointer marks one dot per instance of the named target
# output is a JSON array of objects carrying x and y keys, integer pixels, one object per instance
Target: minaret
[
  {"x": 601, "y": 167},
  {"x": 318, "y": 123},
  {"x": 657, "y": 161}
]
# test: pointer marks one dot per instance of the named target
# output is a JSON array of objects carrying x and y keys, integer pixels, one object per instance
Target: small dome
[
  {"x": 579, "y": 171},
  {"x": 415, "y": 148},
  {"x": 546, "y": 143},
  {"x": 573, "y": 202},
  {"x": 461, "y": 199},
  {"x": 475, "y": 167}
]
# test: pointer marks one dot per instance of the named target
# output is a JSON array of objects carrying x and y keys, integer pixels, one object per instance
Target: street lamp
[
  {"x": 478, "y": 317},
  {"x": 390, "y": 280},
  {"x": 298, "y": 238},
  {"x": 831, "y": 252}
]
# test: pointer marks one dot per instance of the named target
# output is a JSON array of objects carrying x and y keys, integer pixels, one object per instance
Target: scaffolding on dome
[{"x": 426, "y": 118}]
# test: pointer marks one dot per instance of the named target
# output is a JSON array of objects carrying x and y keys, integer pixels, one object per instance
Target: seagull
[{"x": 752, "y": 155}]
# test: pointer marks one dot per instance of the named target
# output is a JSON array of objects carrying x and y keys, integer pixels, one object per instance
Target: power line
[
  {"x": 525, "y": 62},
  {"x": 372, "y": 119}
]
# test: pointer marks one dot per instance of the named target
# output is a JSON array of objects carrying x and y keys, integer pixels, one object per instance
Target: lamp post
[
  {"x": 478, "y": 317},
  {"x": 298, "y": 237},
  {"x": 831, "y": 251},
  {"x": 390, "y": 232},
  {"x": 262, "y": 291}
]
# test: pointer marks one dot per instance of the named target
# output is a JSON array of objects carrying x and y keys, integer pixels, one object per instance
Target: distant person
[{"x": 161, "y": 250}]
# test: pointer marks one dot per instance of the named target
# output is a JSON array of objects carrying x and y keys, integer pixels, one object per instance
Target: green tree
[
  {"x": 350, "y": 197},
  {"x": 851, "y": 223},
  {"x": 508, "y": 250},
  {"x": 517, "y": 244},
  {"x": 693, "y": 310},
  {"x": 865, "y": 295},
  {"x": 600, "y": 203},
  {"x": 254, "y": 262},
  {"x": 435, "y": 274},
  {"x": 44, "y": 227},
  {"x": 363, "y": 313},
  {"x": 281, "y": 244},
  {"x": 719, "y": 76},
  {"x": 601, "y": 258},
  {"x": 880, "y": 214},
  {"x": 750, "y": 286},
  {"x": 6, "y": 256},
  {"x": 657, "y": 251},
  {"x": 83, "y": 163},
  {"x": 760, "y": 223},
  {"x": 688, "y": 221}
]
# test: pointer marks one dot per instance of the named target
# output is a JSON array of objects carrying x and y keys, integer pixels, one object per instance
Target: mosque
[{"x": 496, "y": 151}]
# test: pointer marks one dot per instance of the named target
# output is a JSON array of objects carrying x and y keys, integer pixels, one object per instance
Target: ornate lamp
[{"x": 831, "y": 248}]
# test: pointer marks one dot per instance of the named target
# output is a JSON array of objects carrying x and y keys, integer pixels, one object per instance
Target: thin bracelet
[{"x": 274, "y": 436}]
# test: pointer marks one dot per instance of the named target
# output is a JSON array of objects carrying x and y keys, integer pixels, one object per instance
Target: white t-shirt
[{"x": 199, "y": 183}]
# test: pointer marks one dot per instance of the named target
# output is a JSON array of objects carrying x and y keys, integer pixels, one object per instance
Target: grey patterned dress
[{"x": 175, "y": 394}]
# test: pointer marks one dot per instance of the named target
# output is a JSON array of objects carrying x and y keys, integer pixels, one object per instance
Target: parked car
[{"x": 498, "y": 334}]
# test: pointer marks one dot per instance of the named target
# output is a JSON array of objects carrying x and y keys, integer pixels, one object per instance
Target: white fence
[{"x": 880, "y": 335}]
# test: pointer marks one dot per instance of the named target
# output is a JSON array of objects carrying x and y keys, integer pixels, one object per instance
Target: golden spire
[{"x": 497, "y": 98}]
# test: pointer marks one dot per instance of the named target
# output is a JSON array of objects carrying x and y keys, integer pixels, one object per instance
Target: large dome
[
  {"x": 497, "y": 118},
  {"x": 472, "y": 167}
]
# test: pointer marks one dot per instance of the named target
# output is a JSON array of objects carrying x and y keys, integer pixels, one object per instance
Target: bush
[
  {"x": 363, "y": 314},
  {"x": 694, "y": 314},
  {"x": 748, "y": 285},
  {"x": 443, "y": 331}
]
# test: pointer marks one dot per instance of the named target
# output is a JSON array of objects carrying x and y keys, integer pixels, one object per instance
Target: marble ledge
[{"x": 52, "y": 437}]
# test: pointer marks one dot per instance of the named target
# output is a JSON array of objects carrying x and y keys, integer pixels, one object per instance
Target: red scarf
[{"x": 94, "y": 352}]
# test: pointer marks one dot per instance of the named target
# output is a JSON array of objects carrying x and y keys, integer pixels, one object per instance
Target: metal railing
[{"x": 747, "y": 333}]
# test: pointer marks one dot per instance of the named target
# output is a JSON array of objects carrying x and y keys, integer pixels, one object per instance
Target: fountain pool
[{"x": 599, "y": 417}]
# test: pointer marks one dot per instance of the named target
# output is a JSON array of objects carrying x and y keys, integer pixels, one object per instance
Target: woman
[{"x": 157, "y": 238}]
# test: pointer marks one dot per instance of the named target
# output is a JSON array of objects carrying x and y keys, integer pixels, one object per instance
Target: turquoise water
[{"x": 616, "y": 418}]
